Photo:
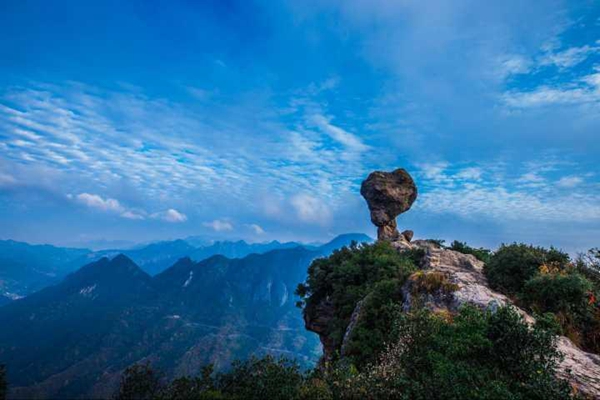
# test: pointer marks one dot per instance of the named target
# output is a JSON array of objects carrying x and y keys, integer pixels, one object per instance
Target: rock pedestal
[{"x": 388, "y": 194}]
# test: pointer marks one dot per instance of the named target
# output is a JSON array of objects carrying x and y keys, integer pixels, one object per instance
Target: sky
[{"x": 143, "y": 120}]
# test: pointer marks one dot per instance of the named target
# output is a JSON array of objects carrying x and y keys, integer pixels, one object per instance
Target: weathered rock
[
  {"x": 466, "y": 272},
  {"x": 388, "y": 194},
  {"x": 317, "y": 319},
  {"x": 356, "y": 314},
  {"x": 408, "y": 235}
]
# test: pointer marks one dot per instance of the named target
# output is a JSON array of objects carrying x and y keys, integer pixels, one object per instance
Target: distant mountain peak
[{"x": 122, "y": 259}]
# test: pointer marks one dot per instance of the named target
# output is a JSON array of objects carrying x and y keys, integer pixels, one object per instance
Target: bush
[
  {"x": 139, "y": 382},
  {"x": 557, "y": 293},
  {"x": 347, "y": 277},
  {"x": 372, "y": 330},
  {"x": 256, "y": 378},
  {"x": 546, "y": 281},
  {"x": 479, "y": 355},
  {"x": 481, "y": 253},
  {"x": 261, "y": 378},
  {"x": 201, "y": 387},
  {"x": 475, "y": 355},
  {"x": 588, "y": 264},
  {"x": 512, "y": 265}
]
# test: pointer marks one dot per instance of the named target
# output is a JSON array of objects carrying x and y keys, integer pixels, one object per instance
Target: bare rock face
[
  {"x": 388, "y": 194},
  {"x": 317, "y": 319},
  {"x": 408, "y": 235}
]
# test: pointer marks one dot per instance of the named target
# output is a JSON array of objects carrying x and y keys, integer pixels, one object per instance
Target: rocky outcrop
[
  {"x": 356, "y": 314},
  {"x": 317, "y": 319},
  {"x": 466, "y": 272},
  {"x": 388, "y": 194},
  {"x": 450, "y": 279},
  {"x": 407, "y": 235}
]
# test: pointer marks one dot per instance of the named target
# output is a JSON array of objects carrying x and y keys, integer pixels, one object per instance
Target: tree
[
  {"x": 3, "y": 385},
  {"x": 261, "y": 378},
  {"x": 139, "y": 382}
]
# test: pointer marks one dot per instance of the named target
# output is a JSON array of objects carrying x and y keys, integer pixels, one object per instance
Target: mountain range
[
  {"x": 75, "y": 338},
  {"x": 26, "y": 268}
]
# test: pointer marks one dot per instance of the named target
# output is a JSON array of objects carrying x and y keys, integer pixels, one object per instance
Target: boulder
[{"x": 388, "y": 194}]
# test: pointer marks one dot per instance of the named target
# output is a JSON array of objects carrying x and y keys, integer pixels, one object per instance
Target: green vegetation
[
  {"x": 139, "y": 381},
  {"x": 374, "y": 273},
  {"x": 2, "y": 382},
  {"x": 475, "y": 355},
  {"x": 431, "y": 282},
  {"x": 256, "y": 378},
  {"x": 546, "y": 281},
  {"x": 480, "y": 253},
  {"x": 512, "y": 265}
]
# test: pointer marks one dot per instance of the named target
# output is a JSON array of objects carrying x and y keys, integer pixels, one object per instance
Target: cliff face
[{"x": 463, "y": 282}]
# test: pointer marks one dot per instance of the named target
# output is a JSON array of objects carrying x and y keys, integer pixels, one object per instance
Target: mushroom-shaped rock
[{"x": 388, "y": 194}]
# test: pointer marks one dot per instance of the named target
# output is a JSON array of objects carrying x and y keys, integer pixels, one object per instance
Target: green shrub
[
  {"x": 372, "y": 331},
  {"x": 261, "y": 378},
  {"x": 347, "y": 277},
  {"x": 200, "y": 387},
  {"x": 462, "y": 247},
  {"x": 479, "y": 355},
  {"x": 475, "y": 355},
  {"x": 545, "y": 280},
  {"x": 512, "y": 265},
  {"x": 588, "y": 264},
  {"x": 139, "y": 382},
  {"x": 556, "y": 293},
  {"x": 255, "y": 378}
]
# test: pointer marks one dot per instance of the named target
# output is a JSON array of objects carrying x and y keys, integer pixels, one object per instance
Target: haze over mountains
[
  {"x": 26, "y": 268},
  {"x": 74, "y": 339}
]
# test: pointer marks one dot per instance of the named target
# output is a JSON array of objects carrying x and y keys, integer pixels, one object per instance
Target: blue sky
[{"x": 146, "y": 120}]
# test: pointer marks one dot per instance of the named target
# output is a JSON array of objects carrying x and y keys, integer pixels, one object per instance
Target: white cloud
[
  {"x": 498, "y": 197},
  {"x": 219, "y": 225},
  {"x": 531, "y": 177},
  {"x": 502, "y": 204},
  {"x": 107, "y": 204},
  {"x": 512, "y": 65},
  {"x": 569, "y": 181},
  {"x": 105, "y": 138},
  {"x": 310, "y": 209},
  {"x": 350, "y": 141},
  {"x": 570, "y": 57},
  {"x": 132, "y": 215},
  {"x": 6, "y": 179},
  {"x": 585, "y": 90},
  {"x": 99, "y": 203},
  {"x": 434, "y": 171},
  {"x": 472, "y": 173},
  {"x": 257, "y": 229},
  {"x": 110, "y": 205},
  {"x": 170, "y": 215}
]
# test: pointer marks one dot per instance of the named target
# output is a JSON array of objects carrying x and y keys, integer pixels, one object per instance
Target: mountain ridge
[
  {"x": 26, "y": 268},
  {"x": 110, "y": 314}
]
